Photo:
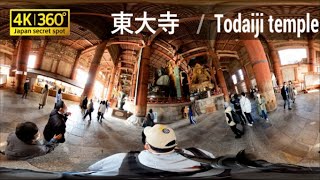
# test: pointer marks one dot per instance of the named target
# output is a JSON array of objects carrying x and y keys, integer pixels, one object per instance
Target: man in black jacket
[
  {"x": 26, "y": 87},
  {"x": 236, "y": 104},
  {"x": 285, "y": 95},
  {"x": 57, "y": 122}
]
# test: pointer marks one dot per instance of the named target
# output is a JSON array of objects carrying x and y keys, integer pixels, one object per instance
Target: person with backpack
[
  {"x": 161, "y": 157},
  {"x": 232, "y": 118},
  {"x": 236, "y": 104}
]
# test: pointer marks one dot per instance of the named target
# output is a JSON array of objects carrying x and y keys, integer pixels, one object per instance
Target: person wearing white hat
[{"x": 159, "y": 157}]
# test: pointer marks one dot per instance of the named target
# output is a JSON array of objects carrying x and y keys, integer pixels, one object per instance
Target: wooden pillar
[
  {"x": 261, "y": 69},
  {"x": 213, "y": 77},
  {"x": 14, "y": 62},
  {"x": 142, "y": 90},
  {"x": 75, "y": 65},
  {"x": 133, "y": 81},
  {"x": 40, "y": 55},
  {"x": 94, "y": 69},
  {"x": 221, "y": 80},
  {"x": 246, "y": 79},
  {"x": 22, "y": 63},
  {"x": 57, "y": 66},
  {"x": 276, "y": 64},
  {"x": 111, "y": 82},
  {"x": 312, "y": 56},
  {"x": 296, "y": 76}
]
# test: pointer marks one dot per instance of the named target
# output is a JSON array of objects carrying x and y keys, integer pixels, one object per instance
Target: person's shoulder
[
  {"x": 11, "y": 135},
  {"x": 202, "y": 150},
  {"x": 144, "y": 153},
  {"x": 53, "y": 112},
  {"x": 118, "y": 157}
]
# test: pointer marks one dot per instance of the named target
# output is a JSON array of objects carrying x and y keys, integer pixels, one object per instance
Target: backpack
[{"x": 235, "y": 117}]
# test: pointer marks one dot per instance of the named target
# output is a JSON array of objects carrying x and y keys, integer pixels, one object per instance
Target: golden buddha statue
[{"x": 201, "y": 79}]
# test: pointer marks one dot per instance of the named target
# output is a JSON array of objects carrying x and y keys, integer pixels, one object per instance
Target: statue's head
[
  {"x": 198, "y": 68},
  {"x": 159, "y": 72}
]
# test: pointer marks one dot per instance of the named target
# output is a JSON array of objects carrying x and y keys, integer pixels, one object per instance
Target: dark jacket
[
  {"x": 90, "y": 107},
  {"x": 284, "y": 93},
  {"x": 56, "y": 125},
  {"x": 149, "y": 121},
  {"x": 84, "y": 103},
  {"x": 26, "y": 86},
  {"x": 236, "y": 104}
]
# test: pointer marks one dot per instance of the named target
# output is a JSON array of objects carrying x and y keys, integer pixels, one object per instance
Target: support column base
[{"x": 135, "y": 120}]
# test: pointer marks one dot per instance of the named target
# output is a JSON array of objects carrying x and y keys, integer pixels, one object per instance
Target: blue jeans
[
  {"x": 264, "y": 114},
  {"x": 287, "y": 101}
]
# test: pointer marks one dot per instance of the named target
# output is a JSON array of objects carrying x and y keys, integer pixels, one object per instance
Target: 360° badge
[{"x": 39, "y": 22}]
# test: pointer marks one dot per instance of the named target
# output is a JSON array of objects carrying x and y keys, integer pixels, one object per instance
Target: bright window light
[
  {"x": 234, "y": 79},
  {"x": 98, "y": 89},
  {"x": 101, "y": 74},
  {"x": 292, "y": 56},
  {"x": 82, "y": 76},
  {"x": 240, "y": 74},
  {"x": 32, "y": 61}
]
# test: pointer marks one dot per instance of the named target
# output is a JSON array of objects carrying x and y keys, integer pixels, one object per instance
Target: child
[{"x": 295, "y": 93}]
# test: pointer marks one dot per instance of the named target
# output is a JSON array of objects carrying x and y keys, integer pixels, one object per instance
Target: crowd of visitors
[{"x": 161, "y": 154}]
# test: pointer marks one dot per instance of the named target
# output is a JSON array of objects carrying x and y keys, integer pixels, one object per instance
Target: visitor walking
[
  {"x": 261, "y": 107},
  {"x": 89, "y": 110},
  {"x": 231, "y": 122},
  {"x": 237, "y": 107},
  {"x": 285, "y": 95},
  {"x": 44, "y": 95},
  {"x": 26, "y": 87},
  {"x": 101, "y": 110},
  {"x": 246, "y": 108},
  {"x": 58, "y": 97}
]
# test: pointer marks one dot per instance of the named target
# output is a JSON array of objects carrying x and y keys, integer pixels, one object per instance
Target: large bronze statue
[
  {"x": 121, "y": 100},
  {"x": 201, "y": 79},
  {"x": 162, "y": 85},
  {"x": 163, "y": 79}
]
